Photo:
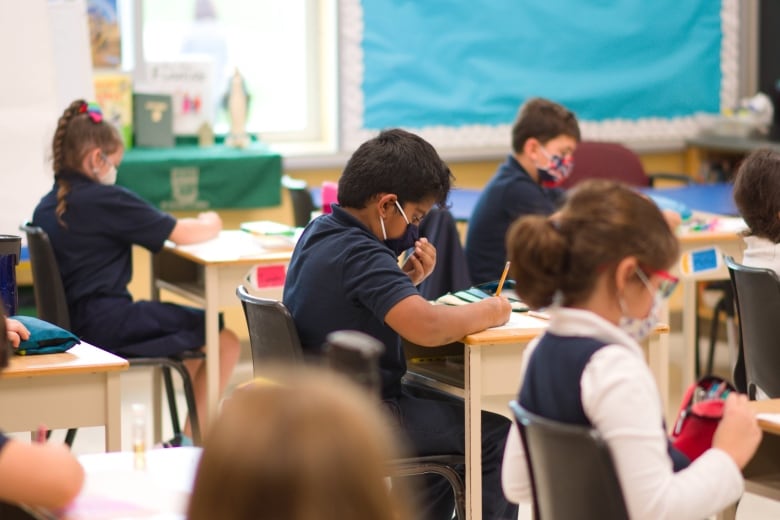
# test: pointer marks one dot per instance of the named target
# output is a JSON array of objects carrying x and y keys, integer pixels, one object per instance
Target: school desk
[
  {"x": 71, "y": 389},
  {"x": 113, "y": 488},
  {"x": 190, "y": 178},
  {"x": 491, "y": 378},
  {"x": 762, "y": 474},
  {"x": 703, "y": 148},
  {"x": 723, "y": 234},
  {"x": 207, "y": 275}
]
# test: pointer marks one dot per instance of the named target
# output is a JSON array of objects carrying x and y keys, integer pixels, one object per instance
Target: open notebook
[{"x": 480, "y": 292}]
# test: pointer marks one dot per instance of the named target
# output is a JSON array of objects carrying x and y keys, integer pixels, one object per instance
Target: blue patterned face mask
[
  {"x": 556, "y": 171},
  {"x": 405, "y": 241},
  {"x": 640, "y": 328}
]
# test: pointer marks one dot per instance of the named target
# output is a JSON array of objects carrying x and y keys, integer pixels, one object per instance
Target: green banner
[{"x": 193, "y": 178}]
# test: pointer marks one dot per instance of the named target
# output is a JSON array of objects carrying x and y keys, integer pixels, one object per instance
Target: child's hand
[
  {"x": 16, "y": 332},
  {"x": 738, "y": 433},
  {"x": 421, "y": 262},
  {"x": 211, "y": 217}
]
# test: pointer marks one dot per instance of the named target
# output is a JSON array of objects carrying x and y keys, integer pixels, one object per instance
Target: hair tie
[{"x": 92, "y": 110}]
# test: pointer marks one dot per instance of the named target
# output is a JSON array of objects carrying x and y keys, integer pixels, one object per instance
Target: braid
[
  {"x": 62, "y": 191},
  {"x": 57, "y": 151},
  {"x": 62, "y": 128}
]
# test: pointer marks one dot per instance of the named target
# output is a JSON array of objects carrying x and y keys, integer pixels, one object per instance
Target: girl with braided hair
[{"x": 92, "y": 225}]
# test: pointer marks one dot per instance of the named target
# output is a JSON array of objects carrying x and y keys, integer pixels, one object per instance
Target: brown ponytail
[{"x": 601, "y": 223}]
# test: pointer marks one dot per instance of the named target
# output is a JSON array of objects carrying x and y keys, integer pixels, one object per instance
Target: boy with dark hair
[
  {"x": 544, "y": 137},
  {"x": 344, "y": 274}
]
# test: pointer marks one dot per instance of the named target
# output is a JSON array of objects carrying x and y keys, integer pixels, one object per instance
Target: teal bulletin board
[{"x": 457, "y": 70}]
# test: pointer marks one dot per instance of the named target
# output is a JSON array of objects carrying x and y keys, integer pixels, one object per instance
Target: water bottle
[
  {"x": 10, "y": 250},
  {"x": 139, "y": 436}
]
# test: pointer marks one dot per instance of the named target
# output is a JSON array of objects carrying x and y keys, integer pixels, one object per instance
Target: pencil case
[{"x": 45, "y": 337}]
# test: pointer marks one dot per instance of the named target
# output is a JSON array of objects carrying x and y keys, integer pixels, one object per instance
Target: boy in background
[{"x": 544, "y": 137}]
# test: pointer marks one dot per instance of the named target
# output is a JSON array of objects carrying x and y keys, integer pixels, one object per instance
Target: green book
[{"x": 153, "y": 120}]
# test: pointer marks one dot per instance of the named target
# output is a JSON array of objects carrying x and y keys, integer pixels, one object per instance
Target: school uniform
[
  {"x": 509, "y": 194},
  {"x": 342, "y": 277},
  {"x": 94, "y": 254},
  {"x": 585, "y": 370}
]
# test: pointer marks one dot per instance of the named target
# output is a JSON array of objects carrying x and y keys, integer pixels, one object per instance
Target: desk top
[
  {"x": 113, "y": 489},
  {"x": 231, "y": 247},
  {"x": 521, "y": 328},
  {"x": 767, "y": 406},
  {"x": 732, "y": 144},
  {"x": 79, "y": 359}
]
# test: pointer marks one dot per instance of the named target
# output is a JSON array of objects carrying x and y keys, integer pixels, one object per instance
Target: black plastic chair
[
  {"x": 757, "y": 295},
  {"x": 52, "y": 306},
  {"x": 274, "y": 338},
  {"x": 571, "y": 470},
  {"x": 301, "y": 199}
]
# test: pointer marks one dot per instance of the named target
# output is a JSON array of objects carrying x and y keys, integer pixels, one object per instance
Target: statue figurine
[{"x": 237, "y": 101}]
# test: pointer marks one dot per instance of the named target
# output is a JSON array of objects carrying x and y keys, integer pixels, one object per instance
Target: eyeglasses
[{"x": 668, "y": 281}]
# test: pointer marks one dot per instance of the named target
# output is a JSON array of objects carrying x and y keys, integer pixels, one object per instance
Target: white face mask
[
  {"x": 109, "y": 177},
  {"x": 640, "y": 328}
]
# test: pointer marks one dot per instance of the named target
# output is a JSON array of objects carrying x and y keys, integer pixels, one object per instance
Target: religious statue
[{"x": 237, "y": 101}]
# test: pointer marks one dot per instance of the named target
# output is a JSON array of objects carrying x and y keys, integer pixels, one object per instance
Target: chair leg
[
  {"x": 70, "y": 436},
  {"x": 171, "y": 395},
  {"x": 447, "y": 472},
  {"x": 719, "y": 307},
  {"x": 189, "y": 396}
]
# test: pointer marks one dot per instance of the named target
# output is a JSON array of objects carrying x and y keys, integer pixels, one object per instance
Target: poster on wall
[
  {"x": 189, "y": 82},
  {"x": 104, "y": 34}
]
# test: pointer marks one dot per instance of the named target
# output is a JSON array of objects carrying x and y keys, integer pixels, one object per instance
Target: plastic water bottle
[{"x": 139, "y": 436}]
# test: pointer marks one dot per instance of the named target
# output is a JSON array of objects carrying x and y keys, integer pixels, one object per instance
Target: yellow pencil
[{"x": 503, "y": 279}]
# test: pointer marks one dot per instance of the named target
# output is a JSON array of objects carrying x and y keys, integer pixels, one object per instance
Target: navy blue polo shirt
[
  {"x": 341, "y": 276},
  {"x": 509, "y": 194},
  {"x": 94, "y": 251}
]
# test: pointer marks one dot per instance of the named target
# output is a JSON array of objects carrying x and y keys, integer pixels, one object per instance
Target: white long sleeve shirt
[{"x": 620, "y": 398}]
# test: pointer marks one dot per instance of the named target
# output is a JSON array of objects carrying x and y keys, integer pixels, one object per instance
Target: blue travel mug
[{"x": 10, "y": 250}]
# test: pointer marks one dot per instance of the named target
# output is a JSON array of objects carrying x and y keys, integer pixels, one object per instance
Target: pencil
[{"x": 503, "y": 279}]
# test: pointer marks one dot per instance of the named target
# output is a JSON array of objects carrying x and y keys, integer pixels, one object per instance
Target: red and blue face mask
[{"x": 556, "y": 171}]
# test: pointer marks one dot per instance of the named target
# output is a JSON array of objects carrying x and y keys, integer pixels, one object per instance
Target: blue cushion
[{"x": 45, "y": 337}]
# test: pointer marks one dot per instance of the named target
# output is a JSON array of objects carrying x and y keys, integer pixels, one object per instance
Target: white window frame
[{"x": 320, "y": 134}]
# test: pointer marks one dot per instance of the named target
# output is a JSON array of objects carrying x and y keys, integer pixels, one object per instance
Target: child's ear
[{"x": 624, "y": 272}]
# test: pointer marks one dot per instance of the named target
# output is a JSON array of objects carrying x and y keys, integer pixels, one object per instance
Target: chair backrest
[
  {"x": 571, "y": 470},
  {"x": 272, "y": 333},
  {"x": 603, "y": 160},
  {"x": 301, "y": 199},
  {"x": 355, "y": 355},
  {"x": 50, "y": 302},
  {"x": 452, "y": 271},
  {"x": 757, "y": 296}
]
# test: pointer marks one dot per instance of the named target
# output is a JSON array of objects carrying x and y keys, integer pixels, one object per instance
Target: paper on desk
[
  {"x": 735, "y": 224},
  {"x": 769, "y": 417},
  {"x": 522, "y": 320}
]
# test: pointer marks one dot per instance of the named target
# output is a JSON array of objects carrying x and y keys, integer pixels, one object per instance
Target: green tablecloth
[{"x": 193, "y": 178}]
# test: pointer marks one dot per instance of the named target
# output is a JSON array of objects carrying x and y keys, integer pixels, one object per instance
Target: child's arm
[
  {"x": 46, "y": 475},
  {"x": 191, "y": 230},
  {"x": 415, "y": 319}
]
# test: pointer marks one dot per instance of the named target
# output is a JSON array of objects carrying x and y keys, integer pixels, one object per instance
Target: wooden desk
[
  {"x": 492, "y": 362},
  {"x": 207, "y": 274},
  {"x": 762, "y": 474},
  {"x": 701, "y": 148},
  {"x": 76, "y": 388},
  {"x": 730, "y": 243},
  {"x": 113, "y": 489}
]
